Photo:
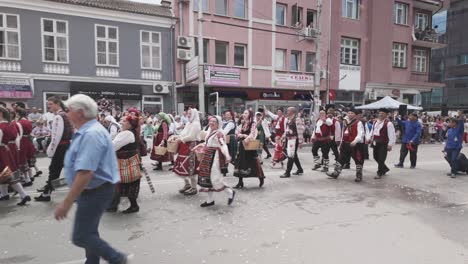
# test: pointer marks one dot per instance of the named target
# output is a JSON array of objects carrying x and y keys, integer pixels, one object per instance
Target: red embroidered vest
[
  {"x": 383, "y": 133},
  {"x": 351, "y": 131}
]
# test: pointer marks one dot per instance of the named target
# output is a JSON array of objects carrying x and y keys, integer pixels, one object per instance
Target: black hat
[
  {"x": 385, "y": 110},
  {"x": 260, "y": 110},
  {"x": 354, "y": 110}
]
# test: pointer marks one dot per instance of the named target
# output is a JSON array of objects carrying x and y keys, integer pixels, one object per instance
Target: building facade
[{"x": 119, "y": 50}]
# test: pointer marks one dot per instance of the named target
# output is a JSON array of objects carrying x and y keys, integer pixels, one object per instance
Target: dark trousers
[
  {"x": 56, "y": 166},
  {"x": 265, "y": 148},
  {"x": 452, "y": 157},
  {"x": 90, "y": 207},
  {"x": 334, "y": 148},
  {"x": 295, "y": 160},
  {"x": 413, "y": 154},
  {"x": 347, "y": 152},
  {"x": 324, "y": 146},
  {"x": 380, "y": 155}
]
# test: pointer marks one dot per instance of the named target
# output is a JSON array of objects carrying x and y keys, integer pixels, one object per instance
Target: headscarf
[
  {"x": 194, "y": 116},
  {"x": 166, "y": 118},
  {"x": 193, "y": 127},
  {"x": 112, "y": 120}
]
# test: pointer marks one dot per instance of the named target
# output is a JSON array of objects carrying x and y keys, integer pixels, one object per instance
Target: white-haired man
[{"x": 91, "y": 172}]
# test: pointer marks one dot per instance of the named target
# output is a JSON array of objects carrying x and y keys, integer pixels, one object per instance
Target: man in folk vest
[
  {"x": 322, "y": 138},
  {"x": 294, "y": 138},
  {"x": 353, "y": 134},
  {"x": 382, "y": 137},
  {"x": 336, "y": 134}
]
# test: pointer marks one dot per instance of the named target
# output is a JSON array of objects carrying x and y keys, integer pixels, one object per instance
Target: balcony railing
[{"x": 308, "y": 33}]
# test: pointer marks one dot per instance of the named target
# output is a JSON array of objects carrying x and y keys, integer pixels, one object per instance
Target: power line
[{"x": 254, "y": 28}]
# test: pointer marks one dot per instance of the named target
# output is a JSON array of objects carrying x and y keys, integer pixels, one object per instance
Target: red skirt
[
  {"x": 26, "y": 153},
  {"x": 186, "y": 163},
  {"x": 279, "y": 154},
  {"x": 7, "y": 159},
  {"x": 168, "y": 157}
]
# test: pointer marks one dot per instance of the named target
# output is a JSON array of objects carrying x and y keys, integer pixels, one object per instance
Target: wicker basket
[
  {"x": 252, "y": 145},
  {"x": 160, "y": 151},
  {"x": 5, "y": 175},
  {"x": 172, "y": 146}
]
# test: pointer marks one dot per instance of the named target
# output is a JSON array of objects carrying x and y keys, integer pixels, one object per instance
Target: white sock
[
  {"x": 3, "y": 190},
  {"x": 26, "y": 177},
  {"x": 210, "y": 197},
  {"x": 30, "y": 173},
  {"x": 17, "y": 187},
  {"x": 36, "y": 169},
  {"x": 229, "y": 192}
]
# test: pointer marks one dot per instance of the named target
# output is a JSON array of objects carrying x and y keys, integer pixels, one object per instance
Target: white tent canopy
[{"x": 388, "y": 103}]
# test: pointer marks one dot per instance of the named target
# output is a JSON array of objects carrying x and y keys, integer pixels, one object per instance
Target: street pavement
[{"x": 410, "y": 216}]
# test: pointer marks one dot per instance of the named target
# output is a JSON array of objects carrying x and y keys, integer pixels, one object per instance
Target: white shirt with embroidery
[
  {"x": 56, "y": 135},
  {"x": 122, "y": 139}
]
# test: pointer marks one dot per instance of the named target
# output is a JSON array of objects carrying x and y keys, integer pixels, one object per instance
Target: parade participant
[
  {"x": 215, "y": 161},
  {"x": 229, "y": 130},
  {"x": 186, "y": 163},
  {"x": 27, "y": 157},
  {"x": 336, "y": 134},
  {"x": 8, "y": 134},
  {"x": 353, "y": 134},
  {"x": 160, "y": 139},
  {"x": 62, "y": 131},
  {"x": 410, "y": 141},
  {"x": 261, "y": 135},
  {"x": 454, "y": 143},
  {"x": 127, "y": 146},
  {"x": 112, "y": 126},
  {"x": 247, "y": 163},
  {"x": 91, "y": 172},
  {"x": 382, "y": 137},
  {"x": 293, "y": 137},
  {"x": 266, "y": 129},
  {"x": 321, "y": 139},
  {"x": 279, "y": 124}
]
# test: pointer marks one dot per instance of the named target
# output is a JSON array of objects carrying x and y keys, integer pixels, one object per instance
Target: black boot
[
  {"x": 133, "y": 207},
  {"x": 358, "y": 173},
  {"x": 335, "y": 174},
  {"x": 24, "y": 200},
  {"x": 262, "y": 181},
  {"x": 240, "y": 184},
  {"x": 286, "y": 175},
  {"x": 159, "y": 167}
]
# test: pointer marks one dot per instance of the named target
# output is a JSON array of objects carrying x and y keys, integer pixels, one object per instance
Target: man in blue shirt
[
  {"x": 410, "y": 140},
  {"x": 91, "y": 171},
  {"x": 454, "y": 143}
]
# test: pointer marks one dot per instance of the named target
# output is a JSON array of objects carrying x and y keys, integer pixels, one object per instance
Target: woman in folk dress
[
  {"x": 160, "y": 139},
  {"x": 215, "y": 160}
]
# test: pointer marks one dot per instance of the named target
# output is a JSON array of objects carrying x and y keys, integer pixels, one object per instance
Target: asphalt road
[{"x": 410, "y": 216}]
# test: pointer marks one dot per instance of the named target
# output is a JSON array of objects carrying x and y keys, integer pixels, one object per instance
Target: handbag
[{"x": 130, "y": 169}]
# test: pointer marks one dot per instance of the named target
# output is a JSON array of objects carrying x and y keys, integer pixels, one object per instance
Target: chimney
[{"x": 166, "y": 3}]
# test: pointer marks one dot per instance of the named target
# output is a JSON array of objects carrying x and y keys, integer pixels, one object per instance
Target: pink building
[{"x": 263, "y": 51}]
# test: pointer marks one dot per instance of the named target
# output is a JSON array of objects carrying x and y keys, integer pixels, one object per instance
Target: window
[
  {"x": 239, "y": 54},
  {"x": 152, "y": 104},
  {"x": 462, "y": 59},
  {"x": 295, "y": 61},
  {"x": 311, "y": 18},
  {"x": 9, "y": 37},
  {"x": 399, "y": 55},
  {"x": 421, "y": 21},
  {"x": 351, "y": 9},
  {"x": 54, "y": 40},
  {"x": 296, "y": 16},
  {"x": 206, "y": 42},
  {"x": 401, "y": 14},
  {"x": 280, "y": 58},
  {"x": 206, "y": 8},
  {"x": 221, "y": 53},
  {"x": 107, "y": 46},
  {"x": 150, "y": 50},
  {"x": 310, "y": 61},
  {"x": 280, "y": 14},
  {"x": 239, "y": 8},
  {"x": 419, "y": 60},
  {"x": 350, "y": 51},
  {"x": 221, "y": 7}
]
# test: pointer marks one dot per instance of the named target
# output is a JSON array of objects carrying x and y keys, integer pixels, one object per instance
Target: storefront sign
[
  {"x": 191, "y": 70},
  {"x": 215, "y": 75},
  {"x": 15, "y": 88},
  {"x": 270, "y": 95},
  {"x": 294, "y": 80},
  {"x": 109, "y": 93},
  {"x": 350, "y": 77}
]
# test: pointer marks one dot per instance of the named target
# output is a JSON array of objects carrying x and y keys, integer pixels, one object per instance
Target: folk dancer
[
  {"x": 112, "y": 126},
  {"x": 160, "y": 139},
  {"x": 215, "y": 160},
  {"x": 383, "y": 138},
  {"x": 229, "y": 131},
  {"x": 27, "y": 157},
  {"x": 279, "y": 124},
  {"x": 62, "y": 132},
  {"x": 353, "y": 134},
  {"x": 410, "y": 141},
  {"x": 321, "y": 139},
  {"x": 293, "y": 138},
  {"x": 186, "y": 163},
  {"x": 336, "y": 134}
]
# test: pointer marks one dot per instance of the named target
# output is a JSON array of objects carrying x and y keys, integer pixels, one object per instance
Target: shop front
[{"x": 15, "y": 91}]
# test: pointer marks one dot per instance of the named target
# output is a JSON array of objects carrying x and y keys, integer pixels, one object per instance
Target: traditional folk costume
[
  {"x": 353, "y": 132},
  {"x": 62, "y": 132},
  {"x": 27, "y": 158},
  {"x": 279, "y": 123},
  {"x": 381, "y": 137},
  {"x": 8, "y": 135},
  {"x": 294, "y": 135},
  {"x": 247, "y": 164},
  {"x": 126, "y": 144},
  {"x": 322, "y": 139},
  {"x": 213, "y": 165},
  {"x": 229, "y": 131},
  {"x": 113, "y": 127},
  {"x": 261, "y": 135},
  {"x": 336, "y": 138},
  {"x": 186, "y": 163},
  {"x": 161, "y": 136}
]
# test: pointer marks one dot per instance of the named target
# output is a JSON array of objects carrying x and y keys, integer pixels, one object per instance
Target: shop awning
[{"x": 15, "y": 88}]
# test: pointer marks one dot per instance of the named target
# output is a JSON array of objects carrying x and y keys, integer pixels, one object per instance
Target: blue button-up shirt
[{"x": 91, "y": 149}]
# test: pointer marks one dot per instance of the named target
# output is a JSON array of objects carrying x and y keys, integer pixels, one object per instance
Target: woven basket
[
  {"x": 252, "y": 145},
  {"x": 5, "y": 175},
  {"x": 160, "y": 151},
  {"x": 172, "y": 146}
]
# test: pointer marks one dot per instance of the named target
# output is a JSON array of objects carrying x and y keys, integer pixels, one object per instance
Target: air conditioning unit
[
  {"x": 309, "y": 33},
  {"x": 160, "y": 88},
  {"x": 185, "y": 55},
  {"x": 185, "y": 42}
]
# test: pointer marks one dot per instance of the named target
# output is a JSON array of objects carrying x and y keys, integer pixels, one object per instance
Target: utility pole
[
  {"x": 318, "y": 57},
  {"x": 201, "y": 70}
]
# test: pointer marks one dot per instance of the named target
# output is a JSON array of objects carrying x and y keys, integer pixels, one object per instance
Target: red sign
[{"x": 332, "y": 95}]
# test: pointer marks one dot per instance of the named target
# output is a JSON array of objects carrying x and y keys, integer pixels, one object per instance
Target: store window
[{"x": 152, "y": 104}]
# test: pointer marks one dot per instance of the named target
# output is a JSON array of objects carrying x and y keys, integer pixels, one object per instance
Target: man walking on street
[
  {"x": 410, "y": 141},
  {"x": 294, "y": 136},
  {"x": 91, "y": 172},
  {"x": 454, "y": 143}
]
